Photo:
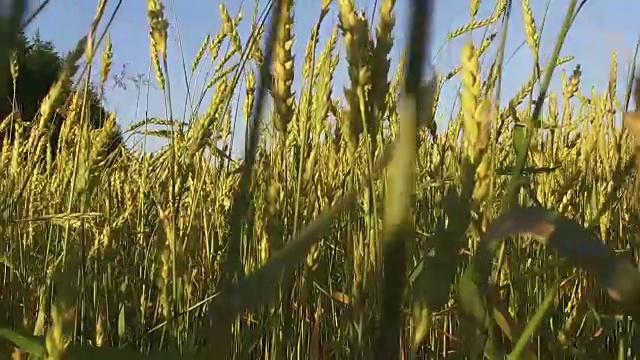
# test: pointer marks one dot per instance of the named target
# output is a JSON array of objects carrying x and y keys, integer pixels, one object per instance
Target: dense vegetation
[
  {"x": 353, "y": 228},
  {"x": 37, "y": 66}
]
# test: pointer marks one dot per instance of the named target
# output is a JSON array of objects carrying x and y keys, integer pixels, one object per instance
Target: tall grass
[{"x": 352, "y": 228}]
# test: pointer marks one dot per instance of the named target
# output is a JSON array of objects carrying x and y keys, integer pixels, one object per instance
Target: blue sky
[{"x": 602, "y": 27}]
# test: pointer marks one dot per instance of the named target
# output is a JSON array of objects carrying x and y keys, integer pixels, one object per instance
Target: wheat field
[{"x": 354, "y": 227}]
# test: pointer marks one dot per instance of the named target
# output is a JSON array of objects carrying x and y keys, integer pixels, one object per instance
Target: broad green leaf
[
  {"x": 35, "y": 346},
  {"x": 30, "y": 344},
  {"x": 519, "y": 136}
]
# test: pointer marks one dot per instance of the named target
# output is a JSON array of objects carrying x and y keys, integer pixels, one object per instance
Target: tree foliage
[{"x": 39, "y": 65}]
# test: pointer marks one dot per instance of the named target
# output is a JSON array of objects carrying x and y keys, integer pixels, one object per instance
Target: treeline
[{"x": 39, "y": 65}]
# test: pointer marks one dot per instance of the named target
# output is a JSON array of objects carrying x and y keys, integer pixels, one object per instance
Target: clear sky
[{"x": 602, "y": 27}]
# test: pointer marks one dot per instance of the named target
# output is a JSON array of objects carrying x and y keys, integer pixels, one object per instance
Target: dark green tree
[{"x": 39, "y": 67}]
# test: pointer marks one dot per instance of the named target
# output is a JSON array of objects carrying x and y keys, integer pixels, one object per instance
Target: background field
[{"x": 306, "y": 245}]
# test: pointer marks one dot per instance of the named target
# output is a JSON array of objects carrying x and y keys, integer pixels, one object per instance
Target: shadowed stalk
[
  {"x": 511, "y": 194},
  {"x": 521, "y": 160},
  {"x": 632, "y": 76},
  {"x": 242, "y": 194},
  {"x": 398, "y": 225},
  {"x": 221, "y": 338}
]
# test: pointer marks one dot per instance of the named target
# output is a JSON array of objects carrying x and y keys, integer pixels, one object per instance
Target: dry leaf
[{"x": 565, "y": 236}]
